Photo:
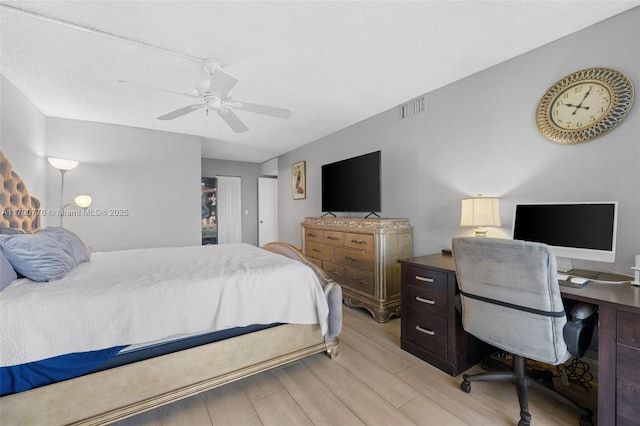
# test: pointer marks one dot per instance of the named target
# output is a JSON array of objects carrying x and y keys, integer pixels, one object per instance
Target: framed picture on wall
[{"x": 299, "y": 181}]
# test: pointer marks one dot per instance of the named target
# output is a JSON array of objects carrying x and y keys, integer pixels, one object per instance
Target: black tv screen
[{"x": 352, "y": 185}]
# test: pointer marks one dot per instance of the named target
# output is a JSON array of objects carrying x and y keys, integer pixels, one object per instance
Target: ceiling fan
[{"x": 214, "y": 94}]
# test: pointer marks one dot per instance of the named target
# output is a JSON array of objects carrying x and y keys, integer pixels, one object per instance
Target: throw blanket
[{"x": 146, "y": 295}]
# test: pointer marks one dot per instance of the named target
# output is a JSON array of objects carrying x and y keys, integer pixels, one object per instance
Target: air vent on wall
[{"x": 412, "y": 108}]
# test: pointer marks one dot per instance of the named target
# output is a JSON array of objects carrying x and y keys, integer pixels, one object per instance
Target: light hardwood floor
[{"x": 371, "y": 382}]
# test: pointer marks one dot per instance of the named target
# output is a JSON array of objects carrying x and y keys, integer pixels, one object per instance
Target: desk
[{"x": 618, "y": 335}]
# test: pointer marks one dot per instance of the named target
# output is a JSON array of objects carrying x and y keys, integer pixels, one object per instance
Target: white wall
[
  {"x": 23, "y": 137},
  {"x": 154, "y": 175},
  {"x": 478, "y": 135}
]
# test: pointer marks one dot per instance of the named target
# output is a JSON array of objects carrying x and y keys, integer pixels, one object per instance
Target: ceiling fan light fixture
[{"x": 202, "y": 87}]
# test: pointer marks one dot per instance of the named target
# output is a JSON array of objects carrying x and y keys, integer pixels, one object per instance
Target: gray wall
[
  {"x": 23, "y": 138},
  {"x": 478, "y": 135},
  {"x": 249, "y": 172},
  {"x": 154, "y": 175}
]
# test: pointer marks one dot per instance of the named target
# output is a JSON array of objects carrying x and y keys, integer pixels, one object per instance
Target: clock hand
[{"x": 582, "y": 101}]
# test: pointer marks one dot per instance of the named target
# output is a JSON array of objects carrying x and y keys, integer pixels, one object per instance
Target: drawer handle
[
  {"x": 311, "y": 235},
  {"x": 427, "y": 301},
  {"x": 332, "y": 238},
  {"x": 363, "y": 282},
  {"x": 425, "y": 331},
  {"x": 316, "y": 250},
  {"x": 335, "y": 272},
  {"x": 425, "y": 279},
  {"x": 359, "y": 241},
  {"x": 353, "y": 259}
]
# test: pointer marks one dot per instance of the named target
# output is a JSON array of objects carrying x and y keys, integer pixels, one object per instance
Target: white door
[
  {"x": 267, "y": 210},
  {"x": 229, "y": 210}
]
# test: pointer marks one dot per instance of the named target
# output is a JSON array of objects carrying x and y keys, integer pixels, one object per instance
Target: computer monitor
[{"x": 583, "y": 230}]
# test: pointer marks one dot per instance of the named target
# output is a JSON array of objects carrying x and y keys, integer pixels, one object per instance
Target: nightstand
[{"x": 431, "y": 326}]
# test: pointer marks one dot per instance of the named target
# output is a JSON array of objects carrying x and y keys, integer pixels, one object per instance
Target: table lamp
[{"x": 480, "y": 211}]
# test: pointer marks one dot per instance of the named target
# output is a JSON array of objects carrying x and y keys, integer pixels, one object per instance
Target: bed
[{"x": 288, "y": 310}]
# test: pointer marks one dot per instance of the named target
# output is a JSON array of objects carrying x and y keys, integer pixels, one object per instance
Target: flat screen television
[
  {"x": 353, "y": 185},
  {"x": 585, "y": 230}
]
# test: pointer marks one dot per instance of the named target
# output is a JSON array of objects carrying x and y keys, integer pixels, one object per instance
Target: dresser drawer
[
  {"x": 312, "y": 235},
  {"x": 319, "y": 251},
  {"x": 428, "y": 331},
  {"x": 426, "y": 278},
  {"x": 359, "y": 280},
  {"x": 629, "y": 329},
  {"x": 333, "y": 237},
  {"x": 359, "y": 241},
  {"x": 334, "y": 271},
  {"x": 317, "y": 262},
  {"x": 357, "y": 259},
  {"x": 420, "y": 298}
]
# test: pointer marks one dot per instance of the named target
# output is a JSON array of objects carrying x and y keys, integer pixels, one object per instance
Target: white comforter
[{"x": 140, "y": 296}]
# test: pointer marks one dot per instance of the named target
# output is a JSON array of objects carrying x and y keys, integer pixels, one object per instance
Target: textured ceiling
[{"x": 332, "y": 64}]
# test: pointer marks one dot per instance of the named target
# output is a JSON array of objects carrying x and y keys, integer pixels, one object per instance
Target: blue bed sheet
[{"x": 19, "y": 378}]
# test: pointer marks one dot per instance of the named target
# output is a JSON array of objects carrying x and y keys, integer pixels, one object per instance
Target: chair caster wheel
[
  {"x": 523, "y": 423},
  {"x": 465, "y": 386}
]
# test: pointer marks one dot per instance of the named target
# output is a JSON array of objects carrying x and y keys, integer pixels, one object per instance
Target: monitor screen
[
  {"x": 352, "y": 185},
  {"x": 584, "y": 231}
]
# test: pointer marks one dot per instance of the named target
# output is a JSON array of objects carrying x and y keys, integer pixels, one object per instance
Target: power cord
[{"x": 576, "y": 371}]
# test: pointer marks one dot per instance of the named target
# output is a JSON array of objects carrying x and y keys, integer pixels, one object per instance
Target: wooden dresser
[
  {"x": 431, "y": 327},
  {"x": 362, "y": 256}
]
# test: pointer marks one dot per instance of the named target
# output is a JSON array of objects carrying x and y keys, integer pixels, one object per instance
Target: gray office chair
[{"x": 511, "y": 300}]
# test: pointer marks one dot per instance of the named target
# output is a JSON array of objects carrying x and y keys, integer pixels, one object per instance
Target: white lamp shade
[
  {"x": 62, "y": 164},
  {"x": 83, "y": 201},
  {"x": 480, "y": 211}
]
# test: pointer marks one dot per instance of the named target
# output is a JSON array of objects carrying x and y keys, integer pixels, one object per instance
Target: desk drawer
[
  {"x": 428, "y": 332},
  {"x": 629, "y": 329},
  {"x": 426, "y": 278},
  {"x": 434, "y": 302},
  {"x": 357, "y": 259}
]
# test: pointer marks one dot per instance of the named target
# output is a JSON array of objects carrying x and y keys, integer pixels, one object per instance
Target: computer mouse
[{"x": 578, "y": 280}]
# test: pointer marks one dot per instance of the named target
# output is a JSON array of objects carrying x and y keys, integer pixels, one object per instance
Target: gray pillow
[
  {"x": 7, "y": 273},
  {"x": 70, "y": 243},
  {"x": 46, "y": 255}
]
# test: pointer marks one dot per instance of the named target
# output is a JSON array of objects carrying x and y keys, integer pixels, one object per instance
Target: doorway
[{"x": 267, "y": 210}]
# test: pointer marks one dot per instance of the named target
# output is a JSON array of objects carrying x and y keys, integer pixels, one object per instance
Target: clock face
[
  {"x": 584, "y": 105},
  {"x": 581, "y": 105}
]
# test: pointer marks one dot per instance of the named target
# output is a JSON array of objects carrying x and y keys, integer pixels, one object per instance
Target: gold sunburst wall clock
[{"x": 584, "y": 105}]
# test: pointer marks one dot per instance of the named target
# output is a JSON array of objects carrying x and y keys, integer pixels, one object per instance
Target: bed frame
[{"x": 111, "y": 395}]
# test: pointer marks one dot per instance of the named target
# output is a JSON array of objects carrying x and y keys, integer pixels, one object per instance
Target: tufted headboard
[{"x": 19, "y": 209}]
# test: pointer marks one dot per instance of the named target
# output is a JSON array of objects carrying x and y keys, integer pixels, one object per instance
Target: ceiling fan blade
[
  {"x": 159, "y": 89},
  {"x": 222, "y": 82},
  {"x": 180, "y": 112},
  {"x": 232, "y": 120},
  {"x": 264, "y": 109}
]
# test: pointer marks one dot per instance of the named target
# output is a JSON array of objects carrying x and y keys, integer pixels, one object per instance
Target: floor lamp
[{"x": 64, "y": 166}]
